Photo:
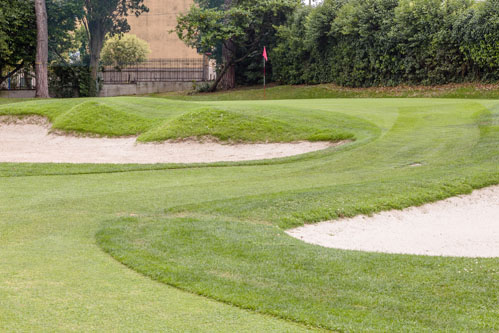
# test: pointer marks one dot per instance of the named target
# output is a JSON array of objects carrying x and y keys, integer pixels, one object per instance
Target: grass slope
[
  {"x": 93, "y": 117},
  {"x": 235, "y": 127},
  {"x": 217, "y": 230},
  {"x": 163, "y": 120}
]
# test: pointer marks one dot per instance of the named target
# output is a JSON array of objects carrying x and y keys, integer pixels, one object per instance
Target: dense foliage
[
  {"x": 389, "y": 42},
  {"x": 71, "y": 80},
  {"x": 16, "y": 48}
]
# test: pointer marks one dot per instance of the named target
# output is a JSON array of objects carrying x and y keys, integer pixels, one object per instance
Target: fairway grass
[
  {"x": 218, "y": 230},
  {"x": 276, "y": 92}
]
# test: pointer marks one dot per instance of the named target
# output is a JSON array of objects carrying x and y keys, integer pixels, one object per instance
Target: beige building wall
[{"x": 155, "y": 25}]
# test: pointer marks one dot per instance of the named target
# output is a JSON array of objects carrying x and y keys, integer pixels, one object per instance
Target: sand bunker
[
  {"x": 463, "y": 226},
  {"x": 30, "y": 141}
]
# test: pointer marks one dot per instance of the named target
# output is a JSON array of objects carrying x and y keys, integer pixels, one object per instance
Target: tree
[
  {"x": 17, "y": 35},
  {"x": 228, "y": 80},
  {"x": 104, "y": 17},
  {"x": 124, "y": 50},
  {"x": 225, "y": 50},
  {"x": 3, "y": 35},
  {"x": 63, "y": 17},
  {"x": 18, "y": 32},
  {"x": 42, "y": 50},
  {"x": 291, "y": 52},
  {"x": 241, "y": 29}
]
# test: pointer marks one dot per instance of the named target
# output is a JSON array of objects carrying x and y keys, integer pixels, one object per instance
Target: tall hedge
[{"x": 388, "y": 42}]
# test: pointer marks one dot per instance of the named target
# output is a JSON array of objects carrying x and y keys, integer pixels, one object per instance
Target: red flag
[{"x": 265, "y": 53}]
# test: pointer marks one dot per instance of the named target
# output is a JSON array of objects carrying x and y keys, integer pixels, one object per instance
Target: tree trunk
[
  {"x": 95, "y": 46},
  {"x": 228, "y": 80},
  {"x": 228, "y": 54},
  {"x": 221, "y": 75},
  {"x": 42, "y": 50}
]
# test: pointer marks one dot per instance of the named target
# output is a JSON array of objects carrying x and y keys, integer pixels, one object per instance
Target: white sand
[
  {"x": 29, "y": 140},
  {"x": 463, "y": 226}
]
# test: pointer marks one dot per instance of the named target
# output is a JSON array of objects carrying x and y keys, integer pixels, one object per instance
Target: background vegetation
[{"x": 389, "y": 42}]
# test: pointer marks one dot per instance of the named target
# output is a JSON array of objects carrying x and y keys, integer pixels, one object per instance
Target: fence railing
[
  {"x": 153, "y": 70},
  {"x": 23, "y": 80},
  {"x": 157, "y": 70}
]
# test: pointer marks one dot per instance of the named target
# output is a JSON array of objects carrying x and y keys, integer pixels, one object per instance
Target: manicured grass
[
  {"x": 472, "y": 91},
  {"x": 54, "y": 278},
  {"x": 258, "y": 267},
  {"x": 4, "y": 100},
  {"x": 217, "y": 230},
  {"x": 235, "y": 127}
]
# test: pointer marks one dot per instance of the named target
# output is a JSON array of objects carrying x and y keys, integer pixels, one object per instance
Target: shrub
[{"x": 124, "y": 50}]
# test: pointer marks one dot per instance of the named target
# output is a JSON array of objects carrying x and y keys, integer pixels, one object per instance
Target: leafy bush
[{"x": 124, "y": 50}]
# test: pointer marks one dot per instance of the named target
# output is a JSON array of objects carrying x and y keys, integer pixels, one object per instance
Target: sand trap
[
  {"x": 29, "y": 140},
  {"x": 463, "y": 226}
]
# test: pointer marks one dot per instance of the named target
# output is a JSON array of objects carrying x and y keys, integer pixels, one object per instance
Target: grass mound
[
  {"x": 238, "y": 127},
  {"x": 94, "y": 117},
  {"x": 50, "y": 108}
]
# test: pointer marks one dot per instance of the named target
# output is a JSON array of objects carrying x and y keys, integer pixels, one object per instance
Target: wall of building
[{"x": 154, "y": 27}]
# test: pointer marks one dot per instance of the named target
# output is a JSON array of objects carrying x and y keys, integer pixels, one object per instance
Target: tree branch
[{"x": 63, "y": 60}]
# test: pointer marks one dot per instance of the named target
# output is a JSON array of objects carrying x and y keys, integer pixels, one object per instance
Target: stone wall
[
  {"x": 17, "y": 93},
  {"x": 143, "y": 88}
]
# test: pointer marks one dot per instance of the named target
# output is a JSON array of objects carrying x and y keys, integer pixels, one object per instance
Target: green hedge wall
[{"x": 363, "y": 43}]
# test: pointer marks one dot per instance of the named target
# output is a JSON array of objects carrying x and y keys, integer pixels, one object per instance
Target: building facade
[{"x": 155, "y": 26}]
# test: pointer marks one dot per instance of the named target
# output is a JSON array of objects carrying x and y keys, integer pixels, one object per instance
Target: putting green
[{"x": 217, "y": 230}]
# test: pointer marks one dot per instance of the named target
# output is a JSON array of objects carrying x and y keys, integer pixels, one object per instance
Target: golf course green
[{"x": 167, "y": 247}]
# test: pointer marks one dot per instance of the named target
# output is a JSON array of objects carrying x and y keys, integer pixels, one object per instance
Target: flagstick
[{"x": 264, "y": 73}]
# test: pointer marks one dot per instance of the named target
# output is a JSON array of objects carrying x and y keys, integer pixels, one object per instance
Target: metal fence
[
  {"x": 22, "y": 80},
  {"x": 158, "y": 70}
]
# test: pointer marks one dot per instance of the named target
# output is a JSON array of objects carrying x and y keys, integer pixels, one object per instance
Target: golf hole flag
[{"x": 265, "y": 59}]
